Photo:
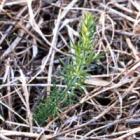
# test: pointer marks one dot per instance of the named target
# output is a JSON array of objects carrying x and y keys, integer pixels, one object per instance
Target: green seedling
[{"x": 74, "y": 73}]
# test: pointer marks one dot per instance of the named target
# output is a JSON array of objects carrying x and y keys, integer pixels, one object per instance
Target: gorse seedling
[{"x": 74, "y": 72}]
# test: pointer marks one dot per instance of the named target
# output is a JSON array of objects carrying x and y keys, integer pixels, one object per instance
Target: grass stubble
[{"x": 118, "y": 32}]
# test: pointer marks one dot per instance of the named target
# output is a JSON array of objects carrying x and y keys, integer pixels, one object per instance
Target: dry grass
[{"x": 35, "y": 35}]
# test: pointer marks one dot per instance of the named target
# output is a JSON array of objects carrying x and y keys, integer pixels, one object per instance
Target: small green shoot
[{"x": 74, "y": 73}]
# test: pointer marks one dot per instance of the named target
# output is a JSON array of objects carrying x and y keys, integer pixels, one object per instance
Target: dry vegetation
[{"x": 35, "y": 38}]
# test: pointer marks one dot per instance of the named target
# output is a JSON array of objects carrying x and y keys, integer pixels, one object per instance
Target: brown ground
[{"x": 33, "y": 37}]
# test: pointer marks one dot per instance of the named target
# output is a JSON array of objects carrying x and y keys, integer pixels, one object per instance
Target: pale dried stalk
[{"x": 22, "y": 134}]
